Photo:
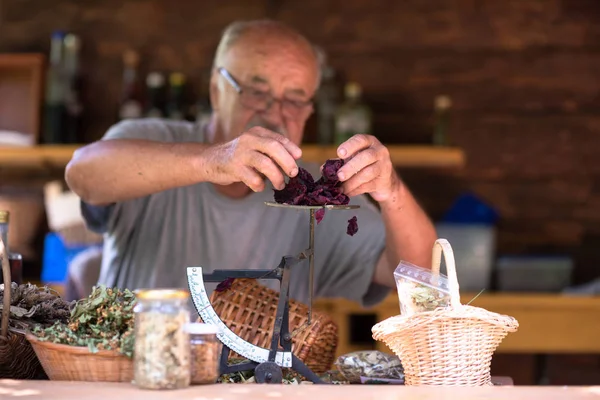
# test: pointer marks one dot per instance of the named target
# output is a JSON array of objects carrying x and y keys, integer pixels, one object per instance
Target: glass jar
[
  {"x": 205, "y": 353},
  {"x": 162, "y": 345}
]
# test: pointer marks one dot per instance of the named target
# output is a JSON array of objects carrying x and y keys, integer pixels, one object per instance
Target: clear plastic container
[
  {"x": 205, "y": 353},
  {"x": 419, "y": 289}
]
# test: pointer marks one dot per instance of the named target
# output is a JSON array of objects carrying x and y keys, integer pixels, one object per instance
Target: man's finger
[
  {"x": 290, "y": 146},
  {"x": 366, "y": 175},
  {"x": 251, "y": 179},
  {"x": 277, "y": 152},
  {"x": 355, "y": 144},
  {"x": 269, "y": 169},
  {"x": 362, "y": 160}
]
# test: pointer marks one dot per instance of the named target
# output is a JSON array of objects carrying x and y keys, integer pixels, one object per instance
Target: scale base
[{"x": 267, "y": 371}]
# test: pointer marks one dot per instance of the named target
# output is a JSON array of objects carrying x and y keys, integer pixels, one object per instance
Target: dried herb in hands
[
  {"x": 102, "y": 321},
  {"x": 304, "y": 191}
]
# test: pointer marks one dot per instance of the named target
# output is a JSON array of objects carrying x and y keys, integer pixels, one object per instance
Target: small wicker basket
[
  {"x": 451, "y": 346},
  {"x": 74, "y": 363},
  {"x": 17, "y": 358},
  {"x": 248, "y": 309}
]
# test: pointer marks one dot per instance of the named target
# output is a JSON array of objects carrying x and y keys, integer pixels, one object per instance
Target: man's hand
[
  {"x": 368, "y": 168},
  {"x": 254, "y": 153}
]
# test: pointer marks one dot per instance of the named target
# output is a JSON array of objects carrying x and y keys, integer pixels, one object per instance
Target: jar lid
[
  {"x": 4, "y": 216},
  {"x": 199, "y": 328},
  {"x": 161, "y": 294}
]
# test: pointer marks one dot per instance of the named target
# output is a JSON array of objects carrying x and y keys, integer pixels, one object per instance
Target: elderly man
[{"x": 169, "y": 195}]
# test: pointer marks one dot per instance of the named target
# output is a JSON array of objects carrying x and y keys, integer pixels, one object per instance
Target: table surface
[{"x": 54, "y": 390}]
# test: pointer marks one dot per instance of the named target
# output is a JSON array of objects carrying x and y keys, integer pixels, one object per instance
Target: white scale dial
[{"x": 226, "y": 335}]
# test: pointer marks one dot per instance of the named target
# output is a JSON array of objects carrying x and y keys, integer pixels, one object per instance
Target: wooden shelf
[{"x": 57, "y": 156}]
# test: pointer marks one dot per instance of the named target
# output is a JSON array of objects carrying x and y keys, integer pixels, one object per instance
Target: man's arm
[
  {"x": 410, "y": 235},
  {"x": 116, "y": 170}
]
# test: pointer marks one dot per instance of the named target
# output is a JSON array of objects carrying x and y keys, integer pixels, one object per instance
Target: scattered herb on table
[
  {"x": 102, "y": 321},
  {"x": 370, "y": 364}
]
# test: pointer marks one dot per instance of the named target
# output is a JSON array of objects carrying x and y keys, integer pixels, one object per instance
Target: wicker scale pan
[{"x": 255, "y": 321}]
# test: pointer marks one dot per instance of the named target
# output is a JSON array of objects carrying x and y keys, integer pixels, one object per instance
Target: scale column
[{"x": 311, "y": 263}]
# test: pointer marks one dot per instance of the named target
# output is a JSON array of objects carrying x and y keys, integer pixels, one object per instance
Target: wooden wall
[{"x": 523, "y": 75}]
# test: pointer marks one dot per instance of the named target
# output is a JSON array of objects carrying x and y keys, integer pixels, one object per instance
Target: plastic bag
[
  {"x": 420, "y": 290},
  {"x": 370, "y": 366}
]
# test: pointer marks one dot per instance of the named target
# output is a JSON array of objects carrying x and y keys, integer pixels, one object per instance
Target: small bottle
[
  {"x": 130, "y": 106},
  {"x": 353, "y": 116},
  {"x": 155, "y": 85},
  {"x": 442, "y": 106},
  {"x": 15, "y": 260},
  {"x": 175, "y": 106},
  {"x": 54, "y": 119},
  {"x": 205, "y": 353},
  {"x": 162, "y": 345}
]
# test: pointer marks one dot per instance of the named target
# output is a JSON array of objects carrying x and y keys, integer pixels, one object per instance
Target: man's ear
[{"x": 214, "y": 91}]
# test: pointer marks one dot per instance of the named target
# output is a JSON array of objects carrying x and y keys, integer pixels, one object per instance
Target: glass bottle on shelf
[
  {"x": 203, "y": 108},
  {"x": 326, "y": 101},
  {"x": 130, "y": 105},
  {"x": 442, "y": 106},
  {"x": 175, "y": 105},
  {"x": 353, "y": 116},
  {"x": 73, "y": 104},
  {"x": 155, "y": 85},
  {"x": 15, "y": 260},
  {"x": 55, "y": 92}
]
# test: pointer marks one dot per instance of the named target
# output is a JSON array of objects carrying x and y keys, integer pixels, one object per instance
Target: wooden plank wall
[{"x": 523, "y": 75}]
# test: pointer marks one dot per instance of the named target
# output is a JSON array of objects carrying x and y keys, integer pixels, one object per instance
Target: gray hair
[{"x": 238, "y": 29}]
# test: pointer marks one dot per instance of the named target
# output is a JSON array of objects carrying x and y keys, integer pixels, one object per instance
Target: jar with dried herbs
[
  {"x": 162, "y": 346},
  {"x": 206, "y": 351}
]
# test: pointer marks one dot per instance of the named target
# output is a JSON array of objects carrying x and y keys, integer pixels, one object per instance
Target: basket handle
[
  {"x": 443, "y": 246},
  {"x": 7, "y": 290}
]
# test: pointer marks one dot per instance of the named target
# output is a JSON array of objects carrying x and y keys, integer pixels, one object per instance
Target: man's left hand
[{"x": 367, "y": 169}]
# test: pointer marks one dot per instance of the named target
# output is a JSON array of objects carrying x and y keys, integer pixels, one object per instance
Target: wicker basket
[
  {"x": 17, "y": 358},
  {"x": 71, "y": 363},
  {"x": 248, "y": 309},
  {"x": 452, "y": 346}
]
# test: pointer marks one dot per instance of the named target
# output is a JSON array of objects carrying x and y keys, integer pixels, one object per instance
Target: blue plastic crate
[{"x": 57, "y": 257}]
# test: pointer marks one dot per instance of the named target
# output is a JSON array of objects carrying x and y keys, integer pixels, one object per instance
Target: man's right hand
[{"x": 254, "y": 153}]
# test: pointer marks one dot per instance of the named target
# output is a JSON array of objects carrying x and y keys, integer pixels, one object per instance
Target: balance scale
[{"x": 266, "y": 363}]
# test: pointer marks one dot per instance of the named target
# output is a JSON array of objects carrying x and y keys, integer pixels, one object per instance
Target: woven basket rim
[{"x": 71, "y": 349}]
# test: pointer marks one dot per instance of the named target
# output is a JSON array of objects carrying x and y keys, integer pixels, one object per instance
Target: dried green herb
[
  {"x": 371, "y": 364},
  {"x": 102, "y": 321},
  {"x": 32, "y": 306}
]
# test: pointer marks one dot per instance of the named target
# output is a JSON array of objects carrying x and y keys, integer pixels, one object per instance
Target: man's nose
[{"x": 273, "y": 115}]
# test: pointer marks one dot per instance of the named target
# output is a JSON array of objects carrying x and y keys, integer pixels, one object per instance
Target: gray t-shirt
[{"x": 149, "y": 242}]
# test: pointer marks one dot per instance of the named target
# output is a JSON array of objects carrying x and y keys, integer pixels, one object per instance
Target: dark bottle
[
  {"x": 155, "y": 85},
  {"x": 73, "y": 104},
  {"x": 54, "y": 126},
  {"x": 175, "y": 105},
  {"x": 130, "y": 105},
  {"x": 15, "y": 260}
]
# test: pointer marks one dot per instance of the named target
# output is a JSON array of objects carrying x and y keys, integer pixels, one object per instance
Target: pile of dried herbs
[
  {"x": 102, "y": 321},
  {"x": 32, "y": 306}
]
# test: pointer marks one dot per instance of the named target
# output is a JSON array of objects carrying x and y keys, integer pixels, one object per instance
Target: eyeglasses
[{"x": 261, "y": 101}]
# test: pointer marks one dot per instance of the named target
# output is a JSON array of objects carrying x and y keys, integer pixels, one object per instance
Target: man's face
[{"x": 270, "y": 73}]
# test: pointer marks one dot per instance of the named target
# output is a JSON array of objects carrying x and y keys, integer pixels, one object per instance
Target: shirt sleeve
[
  {"x": 349, "y": 264},
  {"x": 102, "y": 219}
]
